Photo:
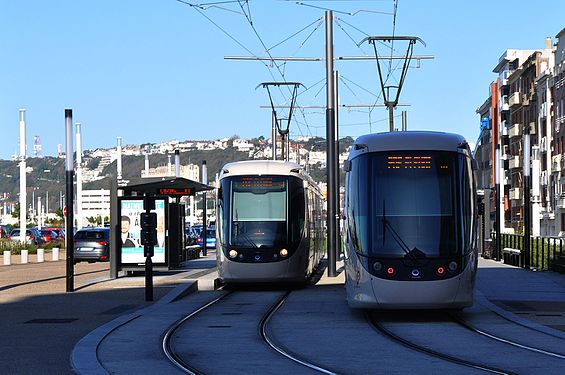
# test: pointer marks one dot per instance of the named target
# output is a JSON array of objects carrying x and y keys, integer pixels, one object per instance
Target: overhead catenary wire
[{"x": 199, "y": 8}]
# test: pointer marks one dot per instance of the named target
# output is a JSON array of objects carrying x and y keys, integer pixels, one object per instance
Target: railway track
[
  {"x": 175, "y": 356},
  {"x": 513, "y": 356}
]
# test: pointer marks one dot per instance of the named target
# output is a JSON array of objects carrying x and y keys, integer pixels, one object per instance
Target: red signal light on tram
[
  {"x": 390, "y": 271},
  {"x": 440, "y": 271}
]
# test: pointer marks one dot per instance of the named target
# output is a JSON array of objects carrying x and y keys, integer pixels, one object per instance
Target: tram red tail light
[
  {"x": 440, "y": 271},
  {"x": 390, "y": 272}
]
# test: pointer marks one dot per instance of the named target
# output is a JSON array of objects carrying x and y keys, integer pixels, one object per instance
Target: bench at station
[{"x": 512, "y": 256}]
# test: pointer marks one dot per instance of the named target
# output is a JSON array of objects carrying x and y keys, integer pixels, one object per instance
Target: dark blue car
[{"x": 210, "y": 238}]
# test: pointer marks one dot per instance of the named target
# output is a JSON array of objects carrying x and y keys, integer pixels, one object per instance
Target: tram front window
[
  {"x": 403, "y": 204},
  {"x": 259, "y": 212}
]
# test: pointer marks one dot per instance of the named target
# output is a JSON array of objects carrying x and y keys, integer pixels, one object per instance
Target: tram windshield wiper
[
  {"x": 386, "y": 224},
  {"x": 241, "y": 233}
]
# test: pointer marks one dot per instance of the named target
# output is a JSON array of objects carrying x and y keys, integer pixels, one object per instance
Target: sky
[{"x": 154, "y": 70}]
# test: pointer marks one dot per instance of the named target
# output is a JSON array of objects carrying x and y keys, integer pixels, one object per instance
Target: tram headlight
[
  {"x": 283, "y": 253},
  {"x": 232, "y": 253},
  {"x": 377, "y": 266},
  {"x": 452, "y": 266}
]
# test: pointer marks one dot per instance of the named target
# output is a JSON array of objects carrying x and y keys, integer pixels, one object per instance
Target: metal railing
[{"x": 544, "y": 252}]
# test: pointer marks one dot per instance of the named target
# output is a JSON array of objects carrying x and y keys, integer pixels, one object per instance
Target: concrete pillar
[
  {"x": 40, "y": 255},
  {"x": 24, "y": 257},
  {"x": 55, "y": 254},
  {"x": 7, "y": 258}
]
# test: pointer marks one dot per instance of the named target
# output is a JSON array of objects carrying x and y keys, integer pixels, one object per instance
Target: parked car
[
  {"x": 33, "y": 236},
  {"x": 191, "y": 235},
  {"x": 92, "y": 245},
  {"x": 60, "y": 232},
  {"x": 210, "y": 238},
  {"x": 4, "y": 231},
  {"x": 49, "y": 236}
]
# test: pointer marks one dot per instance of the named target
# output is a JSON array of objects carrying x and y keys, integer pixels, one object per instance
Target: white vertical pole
[
  {"x": 79, "y": 176},
  {"x": 39, "y": 217},
  {"x": 119, "y": 159},
  {"x": 146, "y": 165},
  {"x": 23, "y": 192}
]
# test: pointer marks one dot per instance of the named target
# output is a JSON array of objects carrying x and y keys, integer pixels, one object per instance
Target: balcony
[
  {"x": 504, "y": 77},
  {"x": 544, "y": 181},
  {"x": 561, "y": 201},
  {"x": 515, "y": 130},
  {"x": 504, "y": 103},
  {"x": 543, "y": 145},
  {"x": 515, "y": 99},
  {"x": 515, "y": 162},
  {"x": 515, "y": 194},
  {"x": 556, "y": 163}
]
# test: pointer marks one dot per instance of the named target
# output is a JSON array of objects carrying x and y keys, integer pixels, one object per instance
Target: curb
[{"x": 84, "y": 359}]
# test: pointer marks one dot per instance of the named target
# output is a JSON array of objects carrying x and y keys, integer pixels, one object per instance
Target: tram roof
[
  {"x": 408, "y": 140},
  {"x": 261, "y": 167}
]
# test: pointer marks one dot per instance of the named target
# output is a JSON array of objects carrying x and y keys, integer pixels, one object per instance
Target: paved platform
[{"x": 46, "y": 330}]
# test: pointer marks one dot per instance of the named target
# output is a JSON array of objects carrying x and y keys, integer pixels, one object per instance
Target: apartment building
[{"x": 519, "y": 103}]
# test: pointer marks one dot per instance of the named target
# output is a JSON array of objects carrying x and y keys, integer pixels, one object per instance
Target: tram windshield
[
  {"x": 262, "y": 211},
  {"x": 404, "y": 204}
]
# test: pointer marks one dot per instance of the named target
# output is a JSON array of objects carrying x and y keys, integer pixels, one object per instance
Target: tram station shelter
[{"x": 126, "y": 206}]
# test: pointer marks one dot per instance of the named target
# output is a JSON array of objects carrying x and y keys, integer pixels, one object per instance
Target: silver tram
[
  {"x": 269, "y": 223},
  {"x": 411, "y": 222}
]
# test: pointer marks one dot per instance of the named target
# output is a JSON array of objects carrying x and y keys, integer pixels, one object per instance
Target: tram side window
[
  {"x": 466, "y": 201},
  {"x": 220, "y": 215},
  {"x": 357, "y": 204},
  {"x": 297, "y": 210}
]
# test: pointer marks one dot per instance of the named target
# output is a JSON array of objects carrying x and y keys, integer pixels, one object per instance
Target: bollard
[
  {"x": 24, "y": 256},
  {"x": 40, "y": 255},
  {"x": 7, "y": 258},
  {"x": 55, "y": 254}
]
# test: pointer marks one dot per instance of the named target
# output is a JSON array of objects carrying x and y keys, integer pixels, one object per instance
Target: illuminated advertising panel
[{"x": 130, "y": 231}]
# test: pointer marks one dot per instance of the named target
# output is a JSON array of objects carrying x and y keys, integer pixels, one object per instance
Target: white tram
[
  {"x": 411, "y": 222},
  {"x": 269, "y": 223}
]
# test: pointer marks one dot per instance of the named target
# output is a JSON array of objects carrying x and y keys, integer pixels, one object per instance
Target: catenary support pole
[
  {"x": 274, "y": 136},
  {"x": 204, "y": 180},
  {"x": 330, "y": 141},
  {"x": 527, "y": 204},
  {"x": 336, "y": 167},
  {"x": 497, "y": 203},
  {"x": 404, "y": 124},
  {"x": 69, "y": 177}
]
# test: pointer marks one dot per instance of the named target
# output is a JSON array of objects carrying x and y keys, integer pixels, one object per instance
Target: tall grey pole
[
  {"x": 23, "y": 182},
  {"x": 330, "y": 141},
  {"x": 204, "y": 180},
  {"x": 336, "y": 167},
  {"x": 177, "y": 163},
  {"x": 497, "y": 203},
  {"x": 274, "y": 136},
  {"x": 390, "y": 116},
  {"x": 404, "y": 125},
  {"x": 527, "y": 208},
  {"x": 69, "y": 174}
]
